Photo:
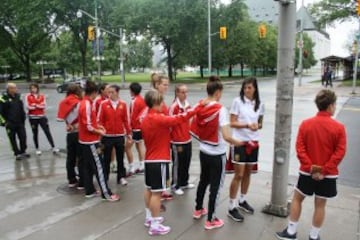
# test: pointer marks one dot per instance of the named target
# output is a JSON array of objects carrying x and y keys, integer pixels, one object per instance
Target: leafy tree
[
  {"x": 308, "y": 53},
  {"x": 139, "y": 54}
]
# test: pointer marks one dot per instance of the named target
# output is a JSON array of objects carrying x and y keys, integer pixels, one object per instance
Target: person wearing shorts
[
  {"x": 155, "y": 127},
  {"x": 246, "y": 115},
  {"x": 320, "y": 147}
]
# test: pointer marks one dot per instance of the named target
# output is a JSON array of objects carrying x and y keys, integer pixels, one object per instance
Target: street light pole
[
  {"x": 301, "y": 46},
  {"x": 356, "y": 61},
  {"x": 209, "y": 37},
  {"x": 284, "y": 106},
  {"x": 122, "y": 70},
  {"x": 97, "y": 58}
]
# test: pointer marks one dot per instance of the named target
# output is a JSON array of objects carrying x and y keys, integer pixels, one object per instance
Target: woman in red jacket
[
  {"x": 35, "y": 103},
  {"x": 155, "y": 128}
]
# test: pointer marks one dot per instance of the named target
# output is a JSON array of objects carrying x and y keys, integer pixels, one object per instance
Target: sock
[
  {"x": 292, "y": 227},
  {"x": 314, "y": 232},
  {"x": 131, "y": 165},
  {"x": 147, "y": 213},
  {"x": 242, "y": 198},
  {"x": 141, "y": 164},
  {"x": 154, "y": 223},
  {"x": 232, "y": 203}
]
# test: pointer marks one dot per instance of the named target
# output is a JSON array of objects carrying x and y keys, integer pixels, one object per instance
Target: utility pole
[
  {"x": 284, "y": 106},
  {"x": 122, "y": 70},
  {"x": 301, "y": 46},
  {"x": 356, "y": 60},
  {"x": 209, "y": 37},
  {"x": 97, "y": 58}
]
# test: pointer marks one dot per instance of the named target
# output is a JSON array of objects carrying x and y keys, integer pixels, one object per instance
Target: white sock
[
  {"x": 314, "y": 232},
  {"x": 242, "y": 198},
  {"x": 147, "y": 213},
  {"x": 131, "y": 165},
  {"x": 232, "y": 203},
  {"x": 154, "y": 223},
  {"x": 141, "y": 164},
  {"x": 292, "y": 227}
]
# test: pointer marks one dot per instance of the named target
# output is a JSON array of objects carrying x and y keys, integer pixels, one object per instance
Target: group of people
[
  {"x": 100, "y": 126},
  {"x": 13, "y": 113}
]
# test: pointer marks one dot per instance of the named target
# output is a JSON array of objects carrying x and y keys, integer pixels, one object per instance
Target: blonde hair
[{"x": 153, "y": 98}]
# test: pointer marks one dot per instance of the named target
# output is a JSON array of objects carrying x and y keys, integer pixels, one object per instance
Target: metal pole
[
  {"x": 356, "y": 61},
  {"x": 209, "y": 36},
  {"x": 284, "y": 106},
  {"x": 97, "y": 58},
  {"x": 301, "y": 46},
  {"x": 122, "y": 70}
]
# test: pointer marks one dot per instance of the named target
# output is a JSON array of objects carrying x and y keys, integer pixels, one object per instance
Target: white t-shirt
[
  {"x": 245, "y": 114},
  {"x": 221, "y": 148}
]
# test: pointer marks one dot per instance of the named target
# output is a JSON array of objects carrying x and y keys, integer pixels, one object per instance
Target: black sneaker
[
  {"x": 19, "y": 157},
  {"x": 318, "y": 238},
  {"x": 246, "y": 207},
  {"x": 284, "y": 235},
  {"x": 25, "y": 155},
  {"x": 235, "y": 215}
]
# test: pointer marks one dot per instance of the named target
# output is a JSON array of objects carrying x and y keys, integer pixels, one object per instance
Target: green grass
[{"x": 349, "y": 83}]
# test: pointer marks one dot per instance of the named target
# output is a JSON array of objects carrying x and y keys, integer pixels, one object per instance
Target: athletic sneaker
[
  {"x": 179, "y": 191},
  {"x": 112, "y": 198},
  {"x": 38, "y": 152},
  {"x": 166, "y": 196},
  {"x": 55, "y": 150},
  {"x": 159, "y": 230},
  {"x": 189, "y": 186},
  {"x": 197, "y": 214},
  {"x": 140, "y": 171},
  {"x": 113, "y": 167},
  {"x": 25, "y": 155},
  {"x": 235, "y": 215},
  {"x": 19, "y": 157},
  {"x": 72, "y": 185},
  {"x": 216, "y": 223},
  {"x": 284, "y": 235},
  {"x": 246, "y": 207},
  {"x": 158, "y": 219},
  {"x": 94, "y": 194},
  {"x": 318, "y": 238},
  {"x": 123, "y": 181}
]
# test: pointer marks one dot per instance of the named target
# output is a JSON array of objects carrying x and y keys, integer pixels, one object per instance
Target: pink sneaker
[
  {"x": 159, "y": 230},
  {"x": 199, "y": 213},
  {"x": 216, "y": 223},
  {"x": 166, "y": 196},
  {"x": 112, "y": 198},
  {"x": 158, "y": 219}
]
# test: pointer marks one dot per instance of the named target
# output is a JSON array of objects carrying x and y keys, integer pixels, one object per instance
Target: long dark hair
[{"x": 253, "y": 81}]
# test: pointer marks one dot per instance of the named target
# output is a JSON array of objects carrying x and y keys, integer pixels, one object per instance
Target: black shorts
[
  {"x": 239, "y": 156},
  {"x": 157, "y": 176},
  {"x": 325, "y": 188},
  {"x": 137, "y": 136}
]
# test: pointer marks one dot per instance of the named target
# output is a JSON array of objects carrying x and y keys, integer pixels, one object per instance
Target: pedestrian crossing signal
[{"x": 223, "y": 33}]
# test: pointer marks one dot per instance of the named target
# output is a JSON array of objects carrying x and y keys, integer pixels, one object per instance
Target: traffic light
[
  {"x": 91, "y": 33},
  {"x": 223, "y": 33},
  {"x": 305, "y": 54},
  {"x": 358, "y": 7},
  {"x": 262, "y": 30}
]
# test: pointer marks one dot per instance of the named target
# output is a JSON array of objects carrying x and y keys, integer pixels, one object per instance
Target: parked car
[{"x": 72, "y": 80}]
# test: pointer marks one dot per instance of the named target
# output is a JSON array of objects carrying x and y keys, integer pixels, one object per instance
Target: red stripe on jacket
[
  {"x": 321, "y": 141},
  {"x": 180, "y": 134},
  {"x": 35, "y": 104},
  {"x": 115, "y": 121},
  {"x": 87, "y": 122},
  {"x": 205, "y": 122}
]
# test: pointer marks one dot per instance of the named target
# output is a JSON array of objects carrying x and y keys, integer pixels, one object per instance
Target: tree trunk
[
  {"x": 83, "y": 63},
  {"x": 201, "y": 71},
  {"x": 169, "y": 60},
  {"x": 230, "y": 71},
  {"x": 27, "y": 68},
  {"x": 242, "y": 68}
]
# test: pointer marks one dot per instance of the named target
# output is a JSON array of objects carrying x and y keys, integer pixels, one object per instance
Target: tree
[
  {"x": 26, "y": 29},
  {"x": 139, "y": 54},
  {"x": 308, "y": 53},
  {"x": 329, "y": 11}
]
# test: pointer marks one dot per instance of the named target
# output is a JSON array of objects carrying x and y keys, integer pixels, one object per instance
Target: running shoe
[
  {"x": 216, "y": 223},
  {"x": 159, "y": 230},
  {"x": 197, "y": 214},
  {"x": 158, "y": 219},
  {"x": 284, "y": 235}
]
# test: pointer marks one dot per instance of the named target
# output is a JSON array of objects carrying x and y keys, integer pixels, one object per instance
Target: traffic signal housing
[
  {"x": 91, "y": 33},
  {"x": 262, "y": 30},
  {"x": 223, "y": 34},
  {"x": 358, "y": 7}
]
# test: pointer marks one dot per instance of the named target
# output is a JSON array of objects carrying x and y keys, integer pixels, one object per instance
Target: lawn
[{"x": 349, "y": 83}]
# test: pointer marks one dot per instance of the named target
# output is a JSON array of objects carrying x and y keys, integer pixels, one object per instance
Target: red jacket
[
  {"x": 321, "y": 141},
  {"x": 87, "y": 122},
  {"x": 137, "y": 105},
  {"x": 115, "y": 121},
  {"x": 155, "y": 129},
  {"x": 97, "y": 102},
  {"x": 180, "y": 134},
  {"x": 204, "y": 123},
  {"x": 36, "y": 104}
]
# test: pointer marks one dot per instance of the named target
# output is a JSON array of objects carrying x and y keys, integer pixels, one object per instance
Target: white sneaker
[
  {"x": 190, "y": 185},
  {"x": 131, "y": 169},
  {"x": 179, "y": 191},
  {"x": 38, "y": 152},
  {"x": 55, "y": 150},
  {"x": 158, "y": 219},
  {"x": 159, "y": 230},
  {"x": 123, "y": 181},
  {"x": 113, "y": 167}
]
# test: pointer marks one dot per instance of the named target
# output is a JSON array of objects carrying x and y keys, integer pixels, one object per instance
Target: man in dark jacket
[{"x": 12, "y": 116}]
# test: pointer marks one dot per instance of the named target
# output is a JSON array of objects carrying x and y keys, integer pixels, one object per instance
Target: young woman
[
  {"x": 68, "y": 112},
  {"x": 113, "y": 117},
  {"x": 211, "y": 127},
  {"x": 155, "y": 128},
  {"x": 246, "y": 116},
  {"x": 180, "y": 143},
  {"x": 35, "y": 103}
]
